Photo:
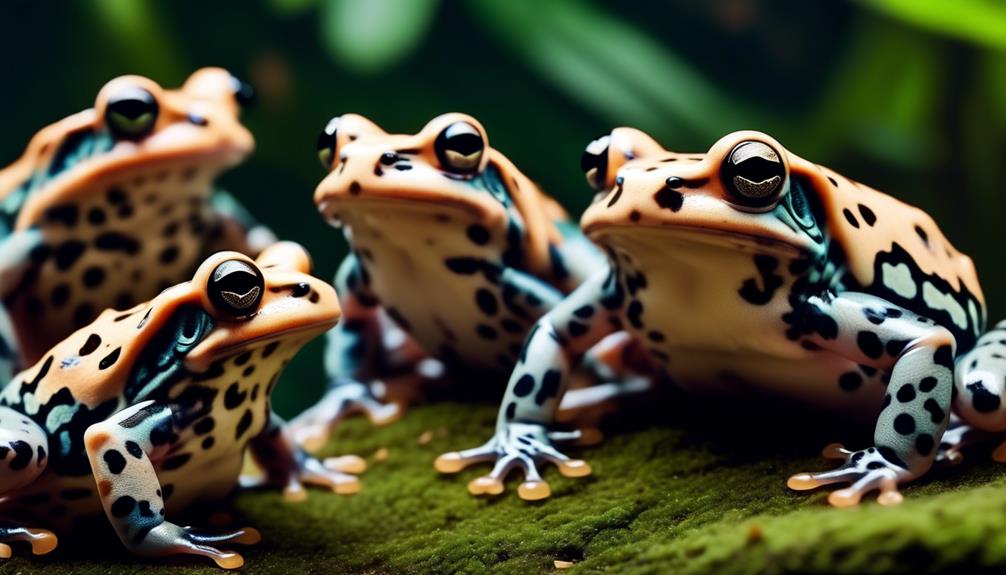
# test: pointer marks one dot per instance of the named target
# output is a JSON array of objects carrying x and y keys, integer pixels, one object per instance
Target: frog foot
[
  {"x": 170, "y": 539},
  {"x": 519, "y": 445},
  {"x": 866, "y": 469},
  {"x": 336, "y": 474},
  {"x": 42, "y": 540},
  {"x": 312, "y": 428}
]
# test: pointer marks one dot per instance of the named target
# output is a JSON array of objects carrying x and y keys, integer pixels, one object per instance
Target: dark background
[{"x": 908, "y": 97}]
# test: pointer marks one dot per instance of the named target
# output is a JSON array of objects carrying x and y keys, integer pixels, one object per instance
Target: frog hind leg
[
  {"x": 23, "y": 457},
  {"x": 980, "y": 382}
]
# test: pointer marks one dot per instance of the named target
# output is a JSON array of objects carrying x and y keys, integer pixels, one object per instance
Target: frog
[
  {"x": 109, "y": 206},
  {"x": 148, "y": 412},
  {"x": 454, "y": 253},
  {"x": 749, "y": 272}
]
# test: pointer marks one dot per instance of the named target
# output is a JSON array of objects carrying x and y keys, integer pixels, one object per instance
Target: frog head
[
  {"x": 445, "y": 175},
  {"x": 170, "y": 143},
  {"x": 744, "y": 193}
]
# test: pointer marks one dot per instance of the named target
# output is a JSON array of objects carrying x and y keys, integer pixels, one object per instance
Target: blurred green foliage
[{"x": 908, "y": 96}]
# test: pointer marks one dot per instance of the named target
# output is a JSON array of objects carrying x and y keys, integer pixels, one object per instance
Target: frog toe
[
  {"x": 42, "y": 541},
  {"x": 866, "y": 470},
  {"x": 314, "y": 472}
]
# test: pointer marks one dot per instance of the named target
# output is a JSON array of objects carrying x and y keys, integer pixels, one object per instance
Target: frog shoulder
[
  {"x": 872, "y": 227},
  {"x": 41, "y": 149}
]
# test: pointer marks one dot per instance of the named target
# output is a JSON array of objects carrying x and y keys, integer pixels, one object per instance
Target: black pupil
[
  {"x": 599, "y": 162},
  {"x": 232, "y": 284},
  {"x": 133, "y": 103},
  {"x": 464, "y": 144},
  {"x": 327, "y": 137},
  {"x": 759, "y": 169}
]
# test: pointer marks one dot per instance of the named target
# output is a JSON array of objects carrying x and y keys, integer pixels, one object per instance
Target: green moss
[{"x": 694, "y": 498}]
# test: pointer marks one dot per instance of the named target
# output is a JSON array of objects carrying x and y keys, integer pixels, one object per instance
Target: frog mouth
[
  {"x": 334, "y": 208},
  {"x": 666, "y": 236}
]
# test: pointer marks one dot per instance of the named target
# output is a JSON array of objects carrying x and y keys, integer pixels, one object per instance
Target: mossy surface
[{"x": 705, "y": 494}]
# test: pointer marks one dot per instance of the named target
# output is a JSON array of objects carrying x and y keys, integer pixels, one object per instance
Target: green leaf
[
  {"x": 372, "y": 35},
  {"x": 979, "y": 21},
  {"x": 145, "y": 44},
  {"x": 611, "y": 67}
]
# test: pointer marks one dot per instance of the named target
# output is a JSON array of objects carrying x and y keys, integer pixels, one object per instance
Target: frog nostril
[
  {"x": 301, "y": 290},
  {"x": 389, "y": 158},
  {"x": 197, "y": 119}
]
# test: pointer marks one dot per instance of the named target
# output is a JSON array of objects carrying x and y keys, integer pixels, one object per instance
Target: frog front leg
[
  {"x": 919, "y": 355},
  {"x": 353, "y": 355},
  {"x": 523, "y": 437},
  {"x": 288, "y": 467},
  {"x": 23, "y": 457},
  {"x": 120, "y": 450},
  {"x": 981, "y": 390}
]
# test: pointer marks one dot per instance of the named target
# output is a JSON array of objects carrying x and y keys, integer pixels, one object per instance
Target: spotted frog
[
  {"x": 450, "y": 243},
  {"x": 147, "y": 411},
  {"x": 748, "y": 268},
  {"x": 109, "y": 206}
]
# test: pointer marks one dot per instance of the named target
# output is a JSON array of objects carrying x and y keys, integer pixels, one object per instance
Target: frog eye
[
  {"x": 754, "y": 173},
  {"x": 327, "y": 141},
  {"x": 459, "y": 148},
  {"x": 131, "y": 113},
  {"x": 594, "y": 162},
  {"x": 235, "y": 288},
  {"x": 244, "y": 94}
]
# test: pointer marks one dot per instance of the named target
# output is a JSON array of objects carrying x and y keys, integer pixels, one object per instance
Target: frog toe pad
[
  {"x": 866, "y": 470},
  {"x": 42, "y": 541}
]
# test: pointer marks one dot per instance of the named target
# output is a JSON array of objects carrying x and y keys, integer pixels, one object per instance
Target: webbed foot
[
  {"x": 170, "y": 539},
  {"x": 42, "y": 541},
  {"x": 866, "y": 469},
  {"x": 312, "y": 428},
  {"x": 520, "y": 445}
]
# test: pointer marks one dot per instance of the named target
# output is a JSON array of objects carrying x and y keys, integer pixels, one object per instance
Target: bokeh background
[{"x": 908, "y": 96}]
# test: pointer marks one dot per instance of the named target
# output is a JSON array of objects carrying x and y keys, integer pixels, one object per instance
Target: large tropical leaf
[
  {"x": 979, "y": 21},
  {"x": 372, "y": 35}
]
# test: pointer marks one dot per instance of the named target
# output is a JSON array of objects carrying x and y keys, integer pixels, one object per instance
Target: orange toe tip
[
  {"x": 449, "y": 463},
  {"x": 250, "y": 536},
  {"x": 591, "y": 436},
  {"x": 229, "y": 560},
  {"x": 834, "y": 451},
  {"x": 889, "y": 498},
  {"x": 843, "y": 498},
  {"x": 5, "y": 551},
  {"x": 802, "y": 482},
  {"x": 534, "y": 490},
  {"x": 349, "y": 486},
  {"x": 485, "y": 486},
  {"x": 42, "y": 541},
  {"x": 575, "y": 468},
  {"x": 294, "y": 494},
  {"x": 347, "y": 464},
  {"x": 999, "y": 455}
]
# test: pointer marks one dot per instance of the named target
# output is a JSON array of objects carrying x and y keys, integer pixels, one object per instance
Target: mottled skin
[
  {"x": 111, "y": 205},
  {"x": 148, "y": 411},
  {"x": 748, "y": 269},
  {"x": 450, "y": 243}
]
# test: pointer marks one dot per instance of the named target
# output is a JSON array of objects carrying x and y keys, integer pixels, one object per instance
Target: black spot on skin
[
  {"x": 870, "y": 345},
  {"x": 116, "y": 196},
  {"x": 67, "y": 214},
  {"x": 850, "y": 218},
  {"x": 486, "y": 301},
  {"x": 524, "y": 385},
  {"x": 927, "y": 384},
  {"x": 549, "y": 386},
  {"x": 96, "y": 216},
  {"x": 68, "y": 253},
  {"x": 896, "y": 346},
  {"x": 983, "y": 400},
  {"x": 876, "y": 317},
  {"x": 133, "y": 449},
  {"x": 463, "y": 266},
  {"x": 618, "y": 191},
  {"x": 113, "y": 241},
  {"x": 168, "y": 255},
  {"x": 868, "y": 216},
  {"x": 511, "y": 410},
  {"x": 875, "y": 465},
  {"x": 144, "y": 508},
  {"x": 922, "y": 235},
  {"x": 354, "y": 188},
  {"x": 23, "y": 454},
  {"x": 478, "y": 234},
  {"x": 208, "y": 443},
  {"x": 935, "y": 411},
  {"x": 59, "y": 296},
  {"x": 850, "y": 381},
  {"x": 924, "y": 444},
  {"x": 244, "y": 357},
  {"x": 511, "y": 326},
  {"x": 486, "y": 331},
  {"x": 232, "y": 397},
  {"x": 634, "y": 314},
  {"x": 41, "y": 454},
  {"x": 635, "y": 216},
  {"x": 770, "y": 281},
  {"x": 944, "y": 356},
  {"x": 243, "y": 424},
  {"x": 576, "y": 329},
  {"x": 584, "y": 312},
  {"x": 92, "y": 343},
  {"x": 269, "y": 349},
  {"x": 833, "y": 182},
  {"x": 110, "y": 359},
  {"x": 204, "y": 426},
  {"x": 906, "y": 393},
  {"x": 123, "y": 506},
  {"x": 115, "y": 461},
  {"x": 94, "y": 276},
  {"x": 175, "y": 461},
  {"x": 669, "y": 199},
  {"x": 904, "y": 424},
  {"x": 891, "y": 456}
]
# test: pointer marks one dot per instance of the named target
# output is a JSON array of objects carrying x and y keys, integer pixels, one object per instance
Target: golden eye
[
  {"x": 594, "y": 162},
  {"x": 131, "y": 113},
  {"x": 235, "y": 288},
  {"x": 754, "y": 173},
  {"x": 327, "y": 141},
  {"x": 459, "y": 148}
]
